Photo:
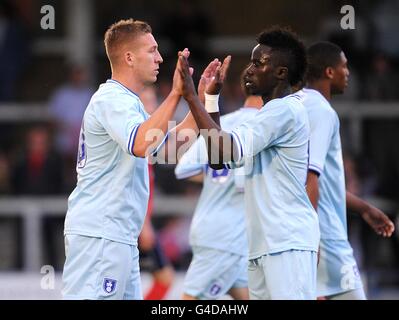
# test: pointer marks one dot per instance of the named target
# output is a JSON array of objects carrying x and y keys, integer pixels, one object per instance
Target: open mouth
[{"x": 248, "y": 84}]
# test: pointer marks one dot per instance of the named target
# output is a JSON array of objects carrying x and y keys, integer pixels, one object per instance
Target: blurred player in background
[
  {"x": 283, "y": 227},
  {"x": 152, "y": 258},
  {"x": 217, "y": 236},
  {"x": 338, "y": 276}
]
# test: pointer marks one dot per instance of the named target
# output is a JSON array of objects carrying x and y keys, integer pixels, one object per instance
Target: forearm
[
  {"x": 202, "y": 118},
  {"x": 312, "y": 188},
  {"x": 156, "y": 125},
  {"x": 355, "y": 204},
  {"x": 219, "y": 143},
  {"x": 180, "y": 138}
]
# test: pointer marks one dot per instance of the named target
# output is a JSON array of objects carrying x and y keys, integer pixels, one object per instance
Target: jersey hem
[
  {"x": 95, "y": 235},
  {"x": 269, "y": 252}
]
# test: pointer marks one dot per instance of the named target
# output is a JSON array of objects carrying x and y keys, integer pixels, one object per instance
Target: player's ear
[
  {"x": 281, "y": 73},
  {"x": 129, "y": 58},
  {"x": 329, "y": 73}
]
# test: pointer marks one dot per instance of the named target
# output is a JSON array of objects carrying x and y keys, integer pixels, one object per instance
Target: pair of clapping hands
[{"x": 211, "y": 81}]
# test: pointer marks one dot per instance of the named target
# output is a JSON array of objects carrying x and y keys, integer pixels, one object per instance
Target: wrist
[
  {"x": 212, "y": 103},
  {"x": 366, "y": 209},
  {"x": 174, "y": 92}
]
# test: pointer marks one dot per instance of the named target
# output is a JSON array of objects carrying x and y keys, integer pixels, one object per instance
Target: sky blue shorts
[
  {"x": 97, "y": 268},
  {"x": 337, "y": 271},
  {"x": 286, "y": 275},
  {"x": 212, "y": 273}
]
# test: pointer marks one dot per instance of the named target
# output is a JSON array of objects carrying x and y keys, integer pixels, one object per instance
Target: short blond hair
[{"x": 120, "y": 33}]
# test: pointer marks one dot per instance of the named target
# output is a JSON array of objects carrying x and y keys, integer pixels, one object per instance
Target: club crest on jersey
[
  {"x": 109, "y": 285},
  {"x": 215, "y": 289}
]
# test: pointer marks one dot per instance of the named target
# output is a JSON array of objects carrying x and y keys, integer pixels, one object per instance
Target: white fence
[{"x": 32, "y": 209}]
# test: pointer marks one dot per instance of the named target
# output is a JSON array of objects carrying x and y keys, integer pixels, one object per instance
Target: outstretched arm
[
  {"x": 377, "y": 219},
  {"x": 220, "y": 145},
  {"x": 160, "y": 118},
  {"x": 186, "y": 132}
]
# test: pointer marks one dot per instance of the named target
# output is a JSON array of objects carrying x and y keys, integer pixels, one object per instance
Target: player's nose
[{"x": 159, "y": 58}]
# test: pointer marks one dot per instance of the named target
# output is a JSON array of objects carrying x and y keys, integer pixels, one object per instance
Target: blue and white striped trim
[
  {"x": 123, "y": 87},
  {"x": 154, "y": 153},
  {"x": 315, "y": 168},
  {"x": 238, "y": 143},
  {"x": 132, "y": 137}
]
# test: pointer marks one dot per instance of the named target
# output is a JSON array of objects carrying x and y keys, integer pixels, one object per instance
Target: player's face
[
  {"x": 147, "y": 58},
  {"x": 258, "y": 76},
  {"x": 341, "y": 76}
]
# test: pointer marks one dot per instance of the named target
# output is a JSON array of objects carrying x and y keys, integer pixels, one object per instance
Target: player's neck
[
  {"x": 128, "y": 82},
  {"x": 253, "y": 102},
  {"x": 280, "y": 91},
  {"x": 322, "y": 86}
]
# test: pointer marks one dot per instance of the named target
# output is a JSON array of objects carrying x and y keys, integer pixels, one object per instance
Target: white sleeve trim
[
  {"x": 315, "y": 168},
  {"x": 237, "y": 141}
]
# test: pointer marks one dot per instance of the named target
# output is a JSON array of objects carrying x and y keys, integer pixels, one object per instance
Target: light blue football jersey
[
  {"x": 111, "y": 196},
  {"x": 273, "y": 148},
  {"x": 219, "y": 218},
  {"x": 325, "y": 158}
]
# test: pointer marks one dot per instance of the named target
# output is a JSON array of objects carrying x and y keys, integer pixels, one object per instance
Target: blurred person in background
[
  {"x": 381, "y": 83},
  {"x": 37, "y": 169},
  {"x": 14, "y": 49},
  {"x": 67, "y": 106},
  {"x": 338, "y": 276}
]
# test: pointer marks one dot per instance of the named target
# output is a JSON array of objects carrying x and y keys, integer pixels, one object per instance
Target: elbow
[{"x": 138, "y": 151}]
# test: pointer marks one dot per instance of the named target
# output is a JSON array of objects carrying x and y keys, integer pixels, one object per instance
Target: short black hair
[
  {"x": 292, "y": 52},
  {"x": 321, "y": 55}
]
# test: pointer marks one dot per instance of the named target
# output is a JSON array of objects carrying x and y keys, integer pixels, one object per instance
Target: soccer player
[
  {"x": 217, "y": 234},
  {"x": 338, "y": 276},
  {"x": 283, "y": 228},
  {"x": 107, "y": 208}
]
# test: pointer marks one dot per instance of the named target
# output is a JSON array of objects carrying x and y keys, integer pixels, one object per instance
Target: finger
[
  {"x": 225, "y": 67},
  {"x": 390, "y": 228},
  {"x": 183, "y": 65},
  {"x": 191, "y": 69},
  {"x": 186, "y": 53},
  {"x": 210, "y": 69},
  {"x": 384, "y": 232},
  {"x": 218, "y": 75}
]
